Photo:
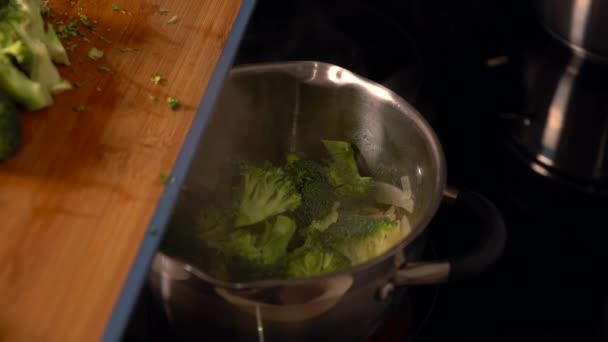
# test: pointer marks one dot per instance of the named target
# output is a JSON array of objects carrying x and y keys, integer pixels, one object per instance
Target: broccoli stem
[{"x": 30, "y": 94}]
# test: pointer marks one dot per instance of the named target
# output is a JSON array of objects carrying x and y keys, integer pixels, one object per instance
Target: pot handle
[{"x": 491, "y": 243}]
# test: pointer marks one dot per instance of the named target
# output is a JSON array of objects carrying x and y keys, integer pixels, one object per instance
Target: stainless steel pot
[
  {"x": 579, "y": 23},
  {"x": 265, "y": 111}
]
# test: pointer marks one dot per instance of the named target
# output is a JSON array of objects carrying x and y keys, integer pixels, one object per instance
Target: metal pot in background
[
  {"x": 580, "y": 23},
  {"x": 267, "y": 110}
]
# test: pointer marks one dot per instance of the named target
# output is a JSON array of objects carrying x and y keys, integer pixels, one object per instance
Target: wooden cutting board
[{"x": 77, "y": 200}]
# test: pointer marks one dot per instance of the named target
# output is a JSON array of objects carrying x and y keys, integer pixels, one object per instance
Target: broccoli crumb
[
  {"x": 173, "y": 20},
  {"x": 152, "y": 98},
  {"x": 85, "y": 21},
  {"x": 163, "y": 11},
  {"x": 67, "y": 31},
  {"x": 72, "y": 46},
  {"x": 156, "y": 78},
  {"x": 79, "y": 109},
  {"x": 165, "y": 178},
  {"x": 173, "y": 103},
  {"x": 102, "y": 38},
  {"x": 104, "y": 69},
  {"x": 95, "y": 54},
  {"x": 115, "y": 7},
  {"x": 126, "y": 49}
]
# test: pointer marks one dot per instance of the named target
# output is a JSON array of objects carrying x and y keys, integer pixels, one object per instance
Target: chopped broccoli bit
[
  {"x": 163, "y": 11},
  {"x": 72, "y": 46},
  {"x": 253, "y": 255},
  {"x": 79, "y": 109},
  {"x": 361, "y": 238},
  {"x": 264, "y": 191},
  {"x": 311, "y": 182},
  {"x": 69, "y": 30},
  {"x": 173, "y": 20},
  {"x": 165, "y": 178},
  {"x": 84, "y": 20},
  {"x": 323, "y": 223},
  {"x": 173, "y": 103},
  {"x": 309, "y": 261},
  {"x": 115, "y": 7},
  {"x": 152, "y": 98},
  {"x": 104, "y": 69},
  {"x": 343, "y": 173},
  {"x": 102, "y": 38},
  {"x": 95, "y": 54},
  {"x": 156, "y": 78}
]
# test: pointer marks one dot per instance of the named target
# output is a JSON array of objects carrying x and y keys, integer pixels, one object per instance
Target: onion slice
[{"x": 389, "y": 194}]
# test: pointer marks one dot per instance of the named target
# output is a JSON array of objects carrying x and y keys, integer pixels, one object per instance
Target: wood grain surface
[{"x": 76, "y": 201}]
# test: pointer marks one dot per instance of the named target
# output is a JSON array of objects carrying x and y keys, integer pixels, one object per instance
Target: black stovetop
[{"x": 459, "y": 63}]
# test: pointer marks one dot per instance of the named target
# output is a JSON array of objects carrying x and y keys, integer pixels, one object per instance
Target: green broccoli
[
  {"x": 311, "y": 182},
  {"x": 343, "y": 173},
  {"x": 213, "y": 227},
  {"x": 27, "y": 72},
  {"x": 56, "y": 49},
  {"x": 20, "y": 88},
  {"x": 27, "y": 21},
  {"x": 10, "y": 128},
  {"x": 361, "y": 238},
  {"x": 252, "y": 254},
  {"x": 323, "y": 223},
  {"x": 265, "y": 191},
  {"x": 310, "y": 260}
]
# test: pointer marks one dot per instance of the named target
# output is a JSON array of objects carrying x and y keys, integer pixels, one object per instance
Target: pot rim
[{"x": 346, "y": 77}]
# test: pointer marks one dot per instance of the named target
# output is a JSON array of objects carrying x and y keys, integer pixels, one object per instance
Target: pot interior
[{"x": 266, "y": 111}]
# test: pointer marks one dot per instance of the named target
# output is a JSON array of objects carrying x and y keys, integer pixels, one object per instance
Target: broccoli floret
[
  {"x": 172, "y": 103},
  {"x": 309, "y": 261},
  {"x": 311, "y": 182},
  {"x": 10, "y": 128},
  {"x": 213, "y": 227},
  {"x": 361, "y": 238},
  {"x": 256, "y": 255},
  {"x": 323, "y": 223},
  {"x": 13, "y": 47},
  {"x": 24, "y": 17},
  {"x": 343, "y": 173},
  {"x": 265, "y": 191}
]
